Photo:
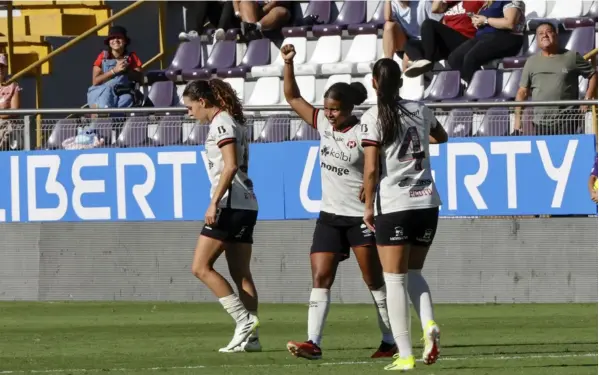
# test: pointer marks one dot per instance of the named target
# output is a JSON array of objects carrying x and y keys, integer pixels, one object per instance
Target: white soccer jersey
[
  {"x": 341, "y": 168},
  {"x": 406, "y": 182},
  {"x": 224, "y": 130}
]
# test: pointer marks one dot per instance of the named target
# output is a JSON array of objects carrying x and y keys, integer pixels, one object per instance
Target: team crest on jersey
[{"x": 351, "y": 144}]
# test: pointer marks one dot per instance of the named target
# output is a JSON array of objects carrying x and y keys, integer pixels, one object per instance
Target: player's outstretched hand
[{"x": 288, "y": 52}]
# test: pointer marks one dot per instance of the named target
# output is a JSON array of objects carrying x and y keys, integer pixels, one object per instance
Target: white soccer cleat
[
  {"x": 242, "y": 332},
  {"x": 252, "y": 345},
  {"x": 432, "y": 345}
]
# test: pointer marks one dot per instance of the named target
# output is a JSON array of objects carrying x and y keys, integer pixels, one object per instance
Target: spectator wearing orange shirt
[{"x": 114, "y": 73}]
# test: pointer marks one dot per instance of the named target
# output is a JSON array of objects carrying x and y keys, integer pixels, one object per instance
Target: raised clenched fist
[{"x": 288, "y": 52}]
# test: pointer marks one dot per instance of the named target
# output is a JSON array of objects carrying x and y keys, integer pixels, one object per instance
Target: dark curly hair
[
  {"x": 349, "y": 95},
  {"x": 217, "y": 93}
]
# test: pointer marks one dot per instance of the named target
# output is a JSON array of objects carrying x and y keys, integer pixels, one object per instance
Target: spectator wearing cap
[
  {"x": 259, "y": 16},
  {"x": 9, "y": 99},
  {"x": 402, "y": 23},
  {"x": 114, "y": 73},
  {"x": 593, "y": 181},
  {"x": 439, "y": 39},
  {"x": 552, "y": 75}
]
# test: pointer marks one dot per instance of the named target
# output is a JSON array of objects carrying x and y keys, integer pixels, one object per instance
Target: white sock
[
  {"x": 399, "y": 311},
  {"x": 259, "y": 26},
  {"x": 380, "y": 301},
  {"x": 255, "y": 334},
  {"x": 320, "y": 300},
  {"x": 235, "y": 308},
  {"x": 420, "y": 295}
]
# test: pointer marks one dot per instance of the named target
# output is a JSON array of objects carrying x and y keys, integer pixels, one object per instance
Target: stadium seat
[
  {"x": 276, "y": 68},
  {"x": 581, "y": 40},
  {"x": 327, "y": 50},
  {"x": 222, "y": 56},
  {"x": 305, "y": 132},
  {"x": 483, "y": 85},
  {"x": 352, "y": 12},
  {"x": 168, "y": 131},
  {"x": 444, "y": 86},
  {"x": 536, "y": 9},
  {"x": 495, "y": 123},
  {"x": 412, "y": 88},
  {"x": 276, "y": 129},
  {"x": 62, "y": 130},
  {"x": 238, "y": 84},
  {"x": 267, "y": 91},
  {"x": 197, "y": 135},
  {"x": 511, "y": 84},
  {"x": 103, "y": 127},
  {"x": 330, "y": 82},
  {"x": 371, "y": 27},
  {"x": 258, "y": 53},
  {"x": 566, "y": 9},
  {"x": 188, "y": 56},
  {"x": 322, "y": 9},
  {"x": 459, "y": 123},
  {"x": 361, "y": 52},
  {"x": 367, "y": 82}
]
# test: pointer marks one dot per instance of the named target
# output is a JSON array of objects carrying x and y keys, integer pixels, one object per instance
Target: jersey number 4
[{"x": 418, "y": 154}]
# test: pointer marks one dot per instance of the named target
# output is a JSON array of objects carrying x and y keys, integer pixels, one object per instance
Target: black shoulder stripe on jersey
[
  {"x": 368, "y": 142},
  {"x": 315, "y": 118},
  {"x": 226, "y": 141}
]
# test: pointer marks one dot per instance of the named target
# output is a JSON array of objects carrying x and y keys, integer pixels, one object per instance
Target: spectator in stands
[
  {"x": 114, "y": 73},
  {"x": 439, "y": 39},
  {"x": 402, "y": 23},
  {"x": 593, "y": 181},
  {"x": 552, "y": 74},
  {"x": 258, "y": 16},
  {"x": 500, "y": 33},
  {"x": 219, "y": 13},
  {"x": 9, "y": 99}
]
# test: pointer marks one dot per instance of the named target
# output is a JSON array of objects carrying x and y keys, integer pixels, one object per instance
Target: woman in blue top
[{"x": 500, "y": 34}]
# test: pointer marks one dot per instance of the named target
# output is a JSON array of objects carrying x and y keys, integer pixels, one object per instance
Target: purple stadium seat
[
  {"x": 376, "y": 22},
  {"x": 573, "y": 23},
  {"x": 276, "y": 129},
  {"x": 352, "y": 12},
  {"x": 134, "y": 131},
  {"x": 232, "y": 34},
  {"x": 459, "y": 123},
  {"x": 320, "y": 8},
  {"x": 445, "y": 86},
  {"x": 222, "y": 56},
  {"x": 168, "y": 131},
  {"x": 582, "y": 40},
  {"x": 198, "y": 135},
  {"x": 510, "y": 88},
  {"x": 258, "y": 53},
  {"x": 62, "y": 130},
  {"x": 305, "y": 132},
  {"x": 188, "y": 56},
  {"x": 103, "y": 127},
  {"x": 496, "y": 123},
  {"x": 483, "y": 85}
]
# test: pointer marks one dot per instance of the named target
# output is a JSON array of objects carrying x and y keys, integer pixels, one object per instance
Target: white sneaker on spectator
[
  {"x": 186, "y": 37},
  {"x": 417, "y": 68},
  {"x": 219, "y": 34}
]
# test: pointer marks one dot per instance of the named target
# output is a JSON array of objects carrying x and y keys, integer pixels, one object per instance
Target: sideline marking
[{"x": 303, "y": 364}]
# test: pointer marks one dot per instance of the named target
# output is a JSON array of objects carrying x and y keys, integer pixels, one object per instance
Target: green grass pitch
[{"x": 183, "y": 338}]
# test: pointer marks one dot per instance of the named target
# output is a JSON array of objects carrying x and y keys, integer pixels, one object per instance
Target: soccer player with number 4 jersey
[
  {"x": 233, "y": 209},
  {"x": 395, "y": 135},
  {"x": 339, "y": 226}
]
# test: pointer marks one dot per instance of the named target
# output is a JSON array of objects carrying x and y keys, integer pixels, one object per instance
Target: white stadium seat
[
  {"x": 276, "y": 68},
  {"x": 566, "y": 9},
  {"x": 362, "y": 51},
  {"x": 327, "y": 50},
  {"x": 307, "y": 88},
  {"x": 412, "y": 88},
  {"x": 238, "y": 85},
  {"x": 267, "y": 91},
  {"x": 536, "y": 9},
  {"x": 330, "y": 82},
  {"x": 367, "y": 82}
]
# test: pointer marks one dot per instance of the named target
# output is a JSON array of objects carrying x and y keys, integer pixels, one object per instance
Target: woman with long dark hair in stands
[
  {"x": 339, "y": 226},
  {"x": 395, "y": 135},
  {"x": 233, "y": 209}
]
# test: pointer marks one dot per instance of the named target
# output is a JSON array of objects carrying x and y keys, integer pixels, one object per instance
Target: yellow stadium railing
[{"x": 593, "y": 55}]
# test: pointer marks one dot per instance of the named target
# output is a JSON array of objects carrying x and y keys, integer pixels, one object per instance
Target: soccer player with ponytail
[
  {"x": 395, "y": 135},
  {"x": 339, "y": 226}
]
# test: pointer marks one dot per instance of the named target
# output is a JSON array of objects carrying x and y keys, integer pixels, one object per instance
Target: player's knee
[
  {"x": 374, "y": 282},
  {"x": 322, "y": 279},
  {"x": 389, "y": 26},
  {"x": 201, "y": 271}
]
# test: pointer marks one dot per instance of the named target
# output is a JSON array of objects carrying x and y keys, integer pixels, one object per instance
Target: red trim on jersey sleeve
[
  {"x": 226, "y": 141},
  {"x": 315, "y": 118},
  {"x": 368, "y": 142},
  {"x": 99, "y": 59}
]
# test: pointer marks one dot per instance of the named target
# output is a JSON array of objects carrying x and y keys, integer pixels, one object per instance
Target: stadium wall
[{"x": 472, "y": 261}]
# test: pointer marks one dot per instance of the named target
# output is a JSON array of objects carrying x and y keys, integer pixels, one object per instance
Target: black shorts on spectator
[
  {"x": 219, "y": 13},
  {"x": 258, "y": 16}
]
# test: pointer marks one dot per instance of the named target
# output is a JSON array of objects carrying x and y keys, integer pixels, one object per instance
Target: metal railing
[{"x": 139, "y": 127}]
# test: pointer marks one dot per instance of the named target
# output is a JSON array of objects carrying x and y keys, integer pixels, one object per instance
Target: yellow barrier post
[
  {"x": 11, "y": 36},
  {"x": 38, "y": 104},
  {"x": 162, "y": 32}
]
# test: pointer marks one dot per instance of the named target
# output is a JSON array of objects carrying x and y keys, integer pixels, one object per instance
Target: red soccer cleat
[
  {"x": 385, "y": 350},
  {"x": 308, "y": 350}
]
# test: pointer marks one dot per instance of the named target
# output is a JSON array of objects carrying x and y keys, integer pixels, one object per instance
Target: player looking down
[
  {"x": 233, "y": 209},
  {"x": 395, "y": 134},
  {"x": 339, "y": 226}
]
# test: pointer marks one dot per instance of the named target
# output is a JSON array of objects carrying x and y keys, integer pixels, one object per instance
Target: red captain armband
[
  {"x": 368, "y": 142},
  {"x": 224, "y": 142}
]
